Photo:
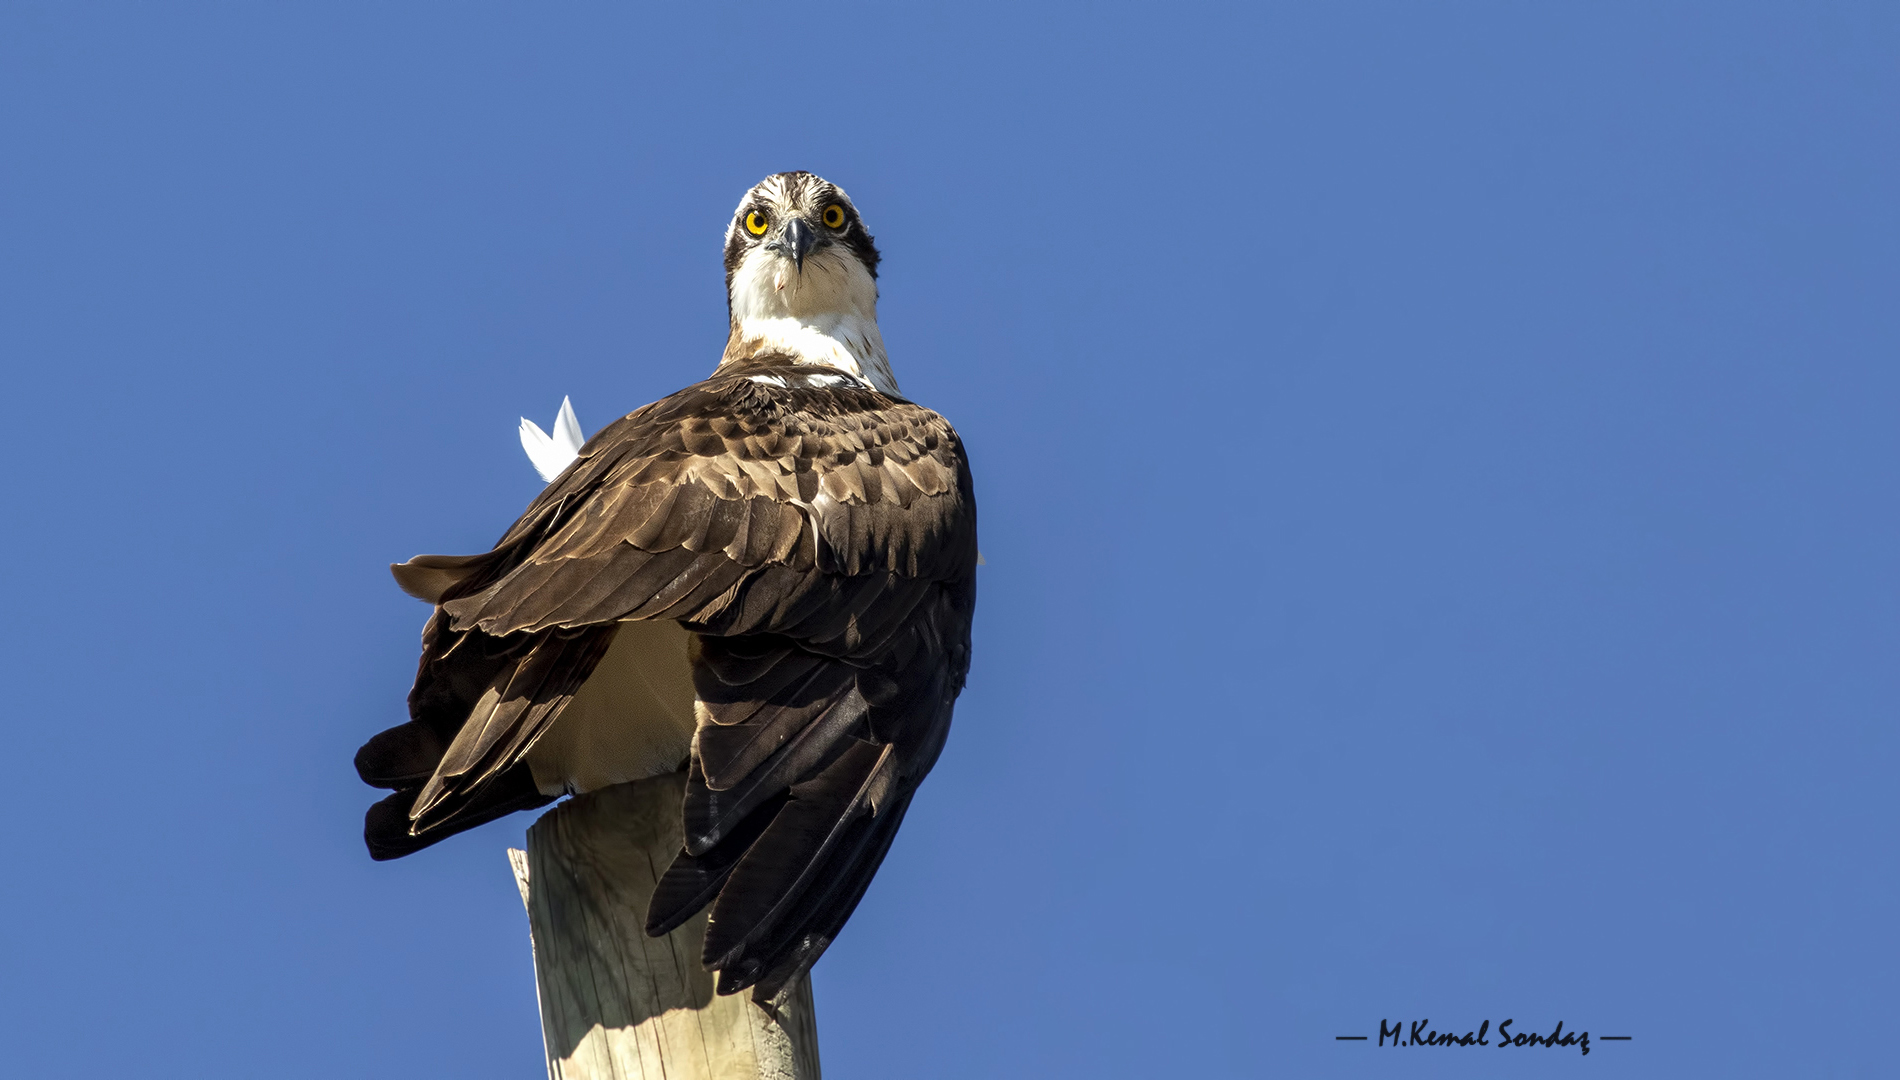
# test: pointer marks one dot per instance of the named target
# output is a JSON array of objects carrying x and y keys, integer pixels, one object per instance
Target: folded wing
[{"x": 821, "y": 542}]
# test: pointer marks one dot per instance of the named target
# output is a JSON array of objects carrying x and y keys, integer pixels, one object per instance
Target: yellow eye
[
  {"x": 834, "y": 216},
  {"x": 756, "y": 224}
]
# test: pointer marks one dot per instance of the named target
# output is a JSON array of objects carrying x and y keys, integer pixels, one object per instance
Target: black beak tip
[{"x": 799, "y": 240}]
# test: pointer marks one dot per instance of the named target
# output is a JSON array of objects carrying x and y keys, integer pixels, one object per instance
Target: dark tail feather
[
  {"x": 528, "y": 697},
  {"x": 709, "y": 814},
  {"x": 825, "y": 817},
  {"x": 405, "y": 756},
  {"x": 386, "y": 826},
  {"x": 693, "y": 880},
  {"x": 822, "y": 913}
]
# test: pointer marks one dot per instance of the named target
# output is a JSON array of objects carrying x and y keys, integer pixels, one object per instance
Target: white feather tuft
[
  {"x": 567, "y": 429},
  {"x": 551, "y": 454}
]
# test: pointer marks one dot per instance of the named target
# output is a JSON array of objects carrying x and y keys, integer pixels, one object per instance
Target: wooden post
[{"x": 616, "y": 1004}]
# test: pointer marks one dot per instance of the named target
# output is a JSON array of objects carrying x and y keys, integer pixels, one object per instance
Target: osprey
[{"x": 766, "y": 579}]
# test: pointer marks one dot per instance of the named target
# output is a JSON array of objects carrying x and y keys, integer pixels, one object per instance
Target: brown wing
[{"x": 822, "y": 541}]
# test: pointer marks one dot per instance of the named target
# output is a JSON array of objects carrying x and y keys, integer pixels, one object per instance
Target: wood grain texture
[{"x": 615, "y": 1003}]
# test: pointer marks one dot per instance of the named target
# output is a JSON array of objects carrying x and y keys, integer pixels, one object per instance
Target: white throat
[{"x": 825, "y": 314}]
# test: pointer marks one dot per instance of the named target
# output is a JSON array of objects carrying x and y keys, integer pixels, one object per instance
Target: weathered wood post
[{"x": 616, "y": 1004}]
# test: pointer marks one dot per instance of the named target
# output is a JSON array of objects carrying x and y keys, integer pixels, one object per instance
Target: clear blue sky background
[{"x": 1437, "y": 467}]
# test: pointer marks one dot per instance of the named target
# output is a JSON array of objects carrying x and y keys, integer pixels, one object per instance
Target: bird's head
[
  {"x": 801, "y": 280},
  {"x": 796, "y": 249}
]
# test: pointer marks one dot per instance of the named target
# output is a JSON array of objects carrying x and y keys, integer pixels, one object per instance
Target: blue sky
[{"x": 1437, "y": 469}]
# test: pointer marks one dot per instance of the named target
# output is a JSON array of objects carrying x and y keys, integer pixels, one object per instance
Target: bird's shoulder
[
  {"x": 768, "y": 462},
  {"x": 795, "y": 433},
  {"x": 772, "y": 409}
]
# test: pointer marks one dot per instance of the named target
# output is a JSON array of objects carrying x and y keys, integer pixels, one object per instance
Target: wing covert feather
[{"x": 838, "y": 481}]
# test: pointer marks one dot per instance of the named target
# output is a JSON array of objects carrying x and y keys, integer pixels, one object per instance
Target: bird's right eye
[{"x": 756, "y": 224}]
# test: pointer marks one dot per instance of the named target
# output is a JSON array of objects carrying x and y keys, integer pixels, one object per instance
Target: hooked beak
[{"x": 797, "y": 239}]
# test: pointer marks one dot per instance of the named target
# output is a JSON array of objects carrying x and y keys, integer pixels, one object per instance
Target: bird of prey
[{"x": 766, "y": 579}]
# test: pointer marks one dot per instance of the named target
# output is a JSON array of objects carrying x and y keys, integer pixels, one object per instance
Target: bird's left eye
[
  {"x": 834, "y": 216},
  {"x": 756, "y": 224}
]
